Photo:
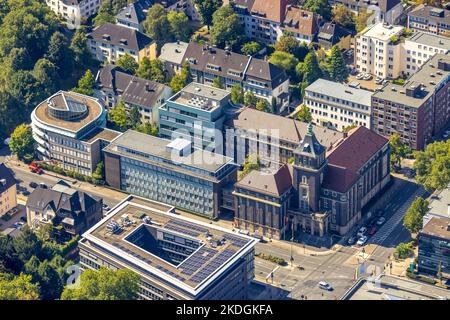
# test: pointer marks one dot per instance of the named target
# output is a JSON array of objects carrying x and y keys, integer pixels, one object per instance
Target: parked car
[
  {"x": 361, "y": 232},
  {"x": 23, "y": 218},
  {"x": 18, "y": 224},
  {"x": 33, "y": 185},
  {"x": 362, "y": 241},
  {"x": 360, "y": 76},
  {"x": 367, "y": 76},
  {"x": 325, "y": 286},
  {"x": 381, "y": 220},
  {"x": 379, "y": 81},
  {"x": 13, "y": 211},
  {"x": 43, "y": 185},
  {"x": 351, "y": 240},
  {"x": 372, "y": 230},
  {"x": 26, "y": 193}
]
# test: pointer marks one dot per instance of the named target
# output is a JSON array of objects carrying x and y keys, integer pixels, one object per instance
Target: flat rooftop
[
  {"x": 148, "y": 148},
  {"x": 431, "y": 40},
  {"x": 101, "y": 133},
  {"x": 395, "y": 288},
  {"x": 200, "y": 96},
  {"x": 146, "y": 232},
  {"x": 57, "y": 101},
  {"x": 437, "y": 227},
  {"x": 383, "y": 32},
  {"x": 341, "y": 91}
]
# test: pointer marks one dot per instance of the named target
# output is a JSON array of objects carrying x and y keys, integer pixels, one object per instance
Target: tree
[
  {"x": 99, "y": 173},
  {"x": 44, "y": 274},
  {"x": 250, "y": 48},
  {"x": 304, "y": 114},
  {"x": 343, "y": 16},
  {"x": 59, "y": 53},
  {"x": 337, "y": 67},
  {"x": 148, "y": 128},
  {"x": 105, "y": 14},
  {"x": 288, "y": 44},
  {"x": 128, "y": 63},
  {"x": 78, "y": 46},
  {"x": 18, "y": 288},
  {"x": 263, "y": 105},
  {"x": 21, "y": 142},
  {"x": 237, "y": 94},
  {"x": 27, "y": 244},
  {"x": 252, "y": 162},
  {"x": 105, "y": 284},
  {"x": 311, "y": 69},
  {"x": 179, "y": 25},
  {"x": 349, "y": 127},
  {"x": 250, "y": 99},
  {"x": 206, "y": 9},
  {"x": 46, "y": 75},
  {"x": 321, "y": 7},
  {"x": 361, "y": 20},
  {"x": 151, "y": 70},
  {"x": 179, "y": 81},
  {"x": 11, "y": 113},
  {"x": 9, "y": 261},
  {"x": 403, "y": 250},
  {"x": 226, "y": 30},
  {"x": 118, "y": 116},
  {"x": 134, "y": 118},
  {"x": 413, "y": 219},
  {"x": 399, "y": 150},
  {"x": 86, "y": 84},
  {"x": 285, "y": 61},
  {"x": 157, "y": 25},
  {"x": 433, "y": 165},
  {"x": 217, "y": 83}
]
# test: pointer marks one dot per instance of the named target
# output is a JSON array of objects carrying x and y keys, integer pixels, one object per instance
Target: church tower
[{"x": 308, "y": 172}]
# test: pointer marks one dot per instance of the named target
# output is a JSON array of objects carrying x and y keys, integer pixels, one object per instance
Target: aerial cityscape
[{"x": 233, "y": 150}]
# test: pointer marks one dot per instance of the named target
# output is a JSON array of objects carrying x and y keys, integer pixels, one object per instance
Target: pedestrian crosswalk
[{"x": 384, "y": 232}]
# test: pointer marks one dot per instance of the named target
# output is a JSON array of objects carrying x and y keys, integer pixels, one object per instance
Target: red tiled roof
[
  {"x": 349, "y": 156},
  {"x": 274, "y": 10},
  {"x": 301, "y": 21}
]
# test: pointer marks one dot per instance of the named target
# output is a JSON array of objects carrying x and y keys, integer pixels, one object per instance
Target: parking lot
[{"x": 10, "y": 223}]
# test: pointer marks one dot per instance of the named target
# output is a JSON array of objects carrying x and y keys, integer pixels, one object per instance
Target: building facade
[
  {"x": 69, "y": 130},
  {"x": 389, "y": 11},
  {"x": 62, "y": 206},
  {"x": 109, "y": 42},
  {"x": 171, "y": 172},
  {"x": 74, "y": 12},
  {"x": 196, "y": 114},
  {"x": 417, "y": 110},
  {"x": 177, "y": 258},
  {"x": 430, "y": 19},
  {"x": 8, "y": 190},
  {"x": 434, "y": 247},
  {"x": 114, "y": 84},
  {"x": 133, "y": 15},
  {"x": 337, "y": 105}
]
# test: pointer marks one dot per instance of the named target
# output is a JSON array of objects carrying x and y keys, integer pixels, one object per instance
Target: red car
[{"x": 372, "y": 230}]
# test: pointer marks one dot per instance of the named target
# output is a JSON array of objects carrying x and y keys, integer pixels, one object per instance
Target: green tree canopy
[
  {"x": 337, "y": 67},
  {"x": 18, "y": 288},
  {"x": 250, "y": 99},
  {"x": 285, "y": 61},
  {"x": 207, "y": 8},
  {"x": 21, "y": 142},
  {"x": 86, "y": 84},
  {"x": 304, "y": 114},
  {"x": 105, "y": 284},
  {"x": 263, "y": 105},
  {"x": 179, "y": 25},
  {"x": 237, "y": 94},
  {"x": 59, "y": 53},
  {"x": 105, "y": 14},
  {"x": 99, "y": 173},
  {"x": 118, "y": 116},
  {"x": 128, "y": 63},
  {"x": 226, "y": 30},
  {"x": 157, "y": 24},
  {"x": 151, "y": 70},
  {"x": 78, "y": 45},
  {"x": 217, "y": 83},
  {"x": 343, "y": 16},
  {"x": 179, "y": 81},
  {"x": 321, "y": 7},
  {"x": 250, "y": 48},
  {"x": 311, "y": 68},
  {"x": 413, "y": 219},
  {"x": 399, "y": 150}
]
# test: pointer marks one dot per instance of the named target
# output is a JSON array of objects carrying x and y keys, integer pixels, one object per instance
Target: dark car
[
  {"x": 26, "y": 193},
  {"x": 373, "y": 230},
  {"x": 33, "y": 185},
  {"x": 24, "y": 218}
]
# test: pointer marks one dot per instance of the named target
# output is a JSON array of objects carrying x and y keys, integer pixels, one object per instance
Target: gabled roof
[
  {"x": 135, "y": 12},
  {"x": 301, "y": 21},
  {"x": 347, "y": 158},
  {"x": 272, "y": 183},
  {"x": 120, "y": 36},
  {"x": 332, "y": 33},
  {"x": 7, "y": 179},
  {"x": 273, "y": 10},
  {"x": 132, "y": 89}
]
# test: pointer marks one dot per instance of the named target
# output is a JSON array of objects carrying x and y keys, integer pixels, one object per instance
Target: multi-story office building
[
  {"x": 69, "y": 131},
  {"x": 177, "y": 258},
  {"x": 419, "y": 48},
  {"x": 430, "y": 19},
  {"x": 195, "y": 114},
  {"x": 434, "y": 247},
  {"x": 389, "y": 11},
  {"x": 8, "y": 190},
  {"x": 338, "y": 105},
  {"x": 62, "y": 206},
  {"x": 378, "y": 50},
  {"x": 327, "y": 189},
  {"x": 74, "y": 12},
  {"x": 134, "y": 14},
  {"x": 114, "y": 84},
  {"x": 273, "y": 138},
  {"x": 262, "y": 78},
  {"x": 418, "y": 109},
  {"x": 109, "y": 42},
  {"x": 171, "y": 172}
]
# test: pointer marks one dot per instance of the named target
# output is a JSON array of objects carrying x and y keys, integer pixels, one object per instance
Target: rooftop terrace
[{"x": 201, "y": 97}]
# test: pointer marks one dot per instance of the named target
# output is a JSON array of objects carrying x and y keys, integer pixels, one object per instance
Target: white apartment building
[
  {"x": 420, "y": 48},
  {"x": 377, "y": 50},
  {"x": 336, "y": 105},
  {"x": 74, "y": 11}
]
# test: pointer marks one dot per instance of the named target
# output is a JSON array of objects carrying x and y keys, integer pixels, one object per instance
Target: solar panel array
[
  {"x": 181, "y": 230},
  {"x": 239, "y": 242},
  {"x": 213, "y": 265},
  {"x": 197, "y": 260},
  {"x": 131, "y": 252},
  {"x": 188, "y": 226},
  {"x": 173, "y": 274}
]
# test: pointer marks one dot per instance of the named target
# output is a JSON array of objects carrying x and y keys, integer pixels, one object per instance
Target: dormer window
[{"x": 106, "y": 37}]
